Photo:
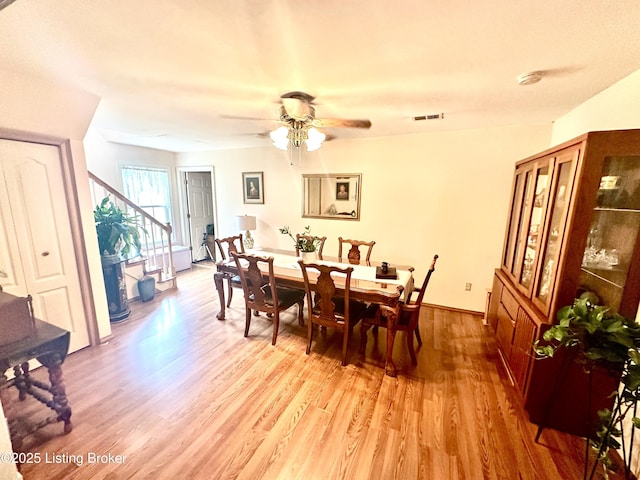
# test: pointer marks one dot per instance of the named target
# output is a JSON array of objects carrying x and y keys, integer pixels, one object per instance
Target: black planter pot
[{"x": 114, "y": 282}]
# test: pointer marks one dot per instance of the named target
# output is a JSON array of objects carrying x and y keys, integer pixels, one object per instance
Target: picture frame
[
  {"x": 342, "y": 190},
  {"x": 252, "y": 187}
]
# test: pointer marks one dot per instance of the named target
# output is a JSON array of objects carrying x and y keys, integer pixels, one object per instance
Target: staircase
[{"x": 156, "y": 257}]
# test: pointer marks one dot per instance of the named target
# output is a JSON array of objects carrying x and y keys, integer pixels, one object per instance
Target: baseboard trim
[{"x": 454, "y": 309}]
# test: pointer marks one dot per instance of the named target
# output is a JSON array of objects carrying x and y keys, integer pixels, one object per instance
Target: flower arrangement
[{"x": 302, "y": 244}]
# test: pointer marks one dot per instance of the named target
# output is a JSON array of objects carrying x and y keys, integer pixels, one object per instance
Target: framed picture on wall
[
  {"x": 342, "y": 190},
  {"x": 252, "y": 187}
]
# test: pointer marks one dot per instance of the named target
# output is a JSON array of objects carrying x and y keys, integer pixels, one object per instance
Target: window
[{"x": 149, "y": 189}]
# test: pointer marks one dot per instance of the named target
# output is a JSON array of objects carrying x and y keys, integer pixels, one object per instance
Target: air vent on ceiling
[{"x": 433, "y": 116}]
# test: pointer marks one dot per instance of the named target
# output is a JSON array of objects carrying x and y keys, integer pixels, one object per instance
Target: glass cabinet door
[
  {"x": 554, "y": 228},
  {"x": 532, "y": 229},
  {"x": 517, "y": 208},
  {"x": 613, "y": 234}
]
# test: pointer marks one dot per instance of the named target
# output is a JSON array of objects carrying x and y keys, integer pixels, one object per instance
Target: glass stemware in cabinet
[{"x": 613, "y": 235}]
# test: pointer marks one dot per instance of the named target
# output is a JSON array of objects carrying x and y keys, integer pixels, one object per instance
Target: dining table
[{"x": 364, "y": 287}]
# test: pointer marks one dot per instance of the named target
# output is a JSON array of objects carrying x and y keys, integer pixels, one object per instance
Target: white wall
[
  {"x": 40, "y": 108},
  {"x": 444, "y": 193},
  {"x": 104, "y": 159},
  {"x": 616, "y": 108}
]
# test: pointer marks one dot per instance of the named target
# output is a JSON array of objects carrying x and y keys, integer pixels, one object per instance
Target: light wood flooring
[{"x": 181, "y": 395}]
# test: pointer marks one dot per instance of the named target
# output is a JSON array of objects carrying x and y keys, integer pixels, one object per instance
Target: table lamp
[{"x": 246, "y": 223}]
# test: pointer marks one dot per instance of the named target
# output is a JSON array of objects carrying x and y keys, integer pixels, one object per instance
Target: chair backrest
[
  {"x": 310, "y": 238},
  {"x": 324, "y": 288},
  {"x": 230, "y": 244},
  {"x": 354, "y": 252},
  {"x": 424, "y": 284},
  {"x": 259, "y": 293}
]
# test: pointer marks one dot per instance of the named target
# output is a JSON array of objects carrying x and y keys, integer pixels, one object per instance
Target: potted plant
[
  {"x": 598, "y": 337},
  {"x": 118, "y": 233},
  {"x": 306, "y": 243}
]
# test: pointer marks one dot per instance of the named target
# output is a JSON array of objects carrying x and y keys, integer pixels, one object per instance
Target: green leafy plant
[
  {"x": 118, "y": 232},
  {"x": 606, "y": 339},
  {"x": 302, "y": 244}
]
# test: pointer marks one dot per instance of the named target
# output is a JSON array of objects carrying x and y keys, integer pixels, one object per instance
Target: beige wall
[
  {"x": 444, "y": 193},
  {"x": 616, "y": 108}
]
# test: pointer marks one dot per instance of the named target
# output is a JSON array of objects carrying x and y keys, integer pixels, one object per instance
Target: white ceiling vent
[{"x": 433, "y": 116}]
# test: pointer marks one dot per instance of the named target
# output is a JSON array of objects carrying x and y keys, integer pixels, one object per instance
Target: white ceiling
[{"x": 169, "y": 71}]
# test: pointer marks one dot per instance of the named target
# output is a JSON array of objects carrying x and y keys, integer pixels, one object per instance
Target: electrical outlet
[{"x": 467, "y": 287}]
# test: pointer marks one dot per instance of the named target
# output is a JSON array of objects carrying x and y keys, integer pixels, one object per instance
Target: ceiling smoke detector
[{"x": 529, "y": 78}]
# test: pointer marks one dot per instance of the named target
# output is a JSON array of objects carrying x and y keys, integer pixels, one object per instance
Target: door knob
[{"x": 45, "y": 253}]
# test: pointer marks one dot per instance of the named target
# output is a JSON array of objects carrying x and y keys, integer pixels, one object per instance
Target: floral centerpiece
[{"x": 304, "y": 242}]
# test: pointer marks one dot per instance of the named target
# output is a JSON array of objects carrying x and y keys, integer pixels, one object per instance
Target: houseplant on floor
[
  {"x": 599, "y": 338},
  {"x": 118, "y": 233}
]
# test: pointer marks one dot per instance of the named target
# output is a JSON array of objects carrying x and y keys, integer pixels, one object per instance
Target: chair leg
[
  {"x": 417, "y": 332},
  {"x": 309, "y": 336},
  {"x": 345, "y": 344},
  {"x": 364, "y": 329},
  {"x": 412, "y": 352},
  {"x": 247, "y": 321},
  {"x": 301, "y": 313},
  {"x": 276, "y": 326},
  {"x": 229, "y": 293}
]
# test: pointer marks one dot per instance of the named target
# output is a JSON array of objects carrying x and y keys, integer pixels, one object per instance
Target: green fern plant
[{"x": 118, "y": 232}]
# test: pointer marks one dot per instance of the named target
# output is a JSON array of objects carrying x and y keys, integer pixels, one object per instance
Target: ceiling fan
[{"x": 298, "y": 116}]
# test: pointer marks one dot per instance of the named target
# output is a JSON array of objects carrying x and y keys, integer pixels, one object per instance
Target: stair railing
[{"x": 156, "y": 237}]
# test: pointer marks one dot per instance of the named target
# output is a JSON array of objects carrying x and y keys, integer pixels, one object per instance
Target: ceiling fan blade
[{"x": 339, "y": 122}]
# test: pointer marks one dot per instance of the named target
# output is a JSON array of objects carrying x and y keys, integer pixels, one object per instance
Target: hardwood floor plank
[{"x": 183, "y": 395}]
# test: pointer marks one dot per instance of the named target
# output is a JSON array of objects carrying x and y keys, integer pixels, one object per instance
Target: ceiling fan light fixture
[
  {"x": 280, "y": 137},
  {"x": 314, "y": 139}
]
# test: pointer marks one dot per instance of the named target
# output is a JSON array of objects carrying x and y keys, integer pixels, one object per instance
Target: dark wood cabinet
[{"x": 573, "y": 226}]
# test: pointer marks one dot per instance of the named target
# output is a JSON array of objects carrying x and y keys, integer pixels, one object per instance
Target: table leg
[
  {"x": 61, "y": 404},
  {"x": 218, "y": 281},
  {"x": 390, "y": 367}
]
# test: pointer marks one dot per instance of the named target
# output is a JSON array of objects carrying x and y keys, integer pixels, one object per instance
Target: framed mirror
[{"x": 331, "y": 195}]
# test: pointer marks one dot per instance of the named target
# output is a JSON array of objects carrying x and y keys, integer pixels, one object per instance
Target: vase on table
[{"x": 308, "y": 257}]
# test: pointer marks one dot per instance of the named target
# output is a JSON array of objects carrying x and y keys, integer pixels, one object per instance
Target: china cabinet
[{"x": 572, "y": 227}]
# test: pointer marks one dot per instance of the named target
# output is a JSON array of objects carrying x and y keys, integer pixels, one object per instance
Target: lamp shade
[{"x": 246, "y": 222}]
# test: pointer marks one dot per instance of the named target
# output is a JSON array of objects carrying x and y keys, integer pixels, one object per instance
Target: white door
[
  {"x": 36, "y": 248},
  {"x": 200, "y": 210}
]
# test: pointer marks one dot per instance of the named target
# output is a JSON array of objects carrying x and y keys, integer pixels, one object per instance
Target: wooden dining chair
[
  {"x": 353, "y": 256},
  {"x": 402, "y": 318},
  {"x": 310, "y": 238},
  {"x": 226, "y": 246},
  {"x": 325, "y": 308},
  {"x": 262, "y": 294}
]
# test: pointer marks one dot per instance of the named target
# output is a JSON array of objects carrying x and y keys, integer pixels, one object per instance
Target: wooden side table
[{"x": 49, "y": 346}]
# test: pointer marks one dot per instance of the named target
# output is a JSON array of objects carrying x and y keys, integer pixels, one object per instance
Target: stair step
[{"x": 166, "y": 278}]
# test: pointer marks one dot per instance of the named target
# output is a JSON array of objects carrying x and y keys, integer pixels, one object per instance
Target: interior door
[
  {"x": 200, "y": 210},
  {"x": 36, "y": 248}
]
